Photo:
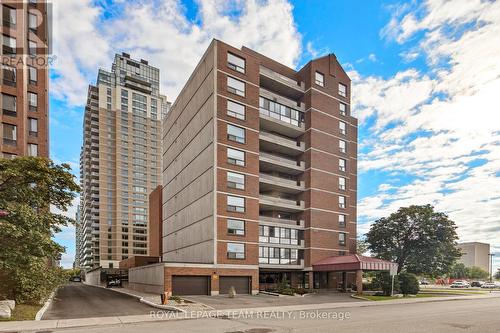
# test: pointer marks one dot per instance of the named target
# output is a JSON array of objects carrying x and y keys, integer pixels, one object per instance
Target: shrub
[
  {"x": 408, "y": 283},
  {"x": 175, "y": 298},
  {"x": 301, "y": 291},
  {"x": 284, "y": 288},
  {"x": 383, "y": 281}
]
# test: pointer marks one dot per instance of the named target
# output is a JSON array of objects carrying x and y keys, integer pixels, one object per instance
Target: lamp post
[{"x": 491, "y": 255}]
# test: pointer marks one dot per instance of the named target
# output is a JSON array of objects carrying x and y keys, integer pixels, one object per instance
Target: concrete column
[
  {"x": 344, "y": 281},
  {"x": 359, "y": 282},
  {"x": 167, "y": 284},
  {"x": 311, "y": 280},
  {"x": 214, "y": 284}
]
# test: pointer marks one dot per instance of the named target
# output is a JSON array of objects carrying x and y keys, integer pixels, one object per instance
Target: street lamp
[{"x": 491, "y": 255}]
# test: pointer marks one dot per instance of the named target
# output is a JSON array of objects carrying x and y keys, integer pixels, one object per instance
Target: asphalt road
[
  {"x": 452, "y": 316},
  {"x": 78, "y": 300}
]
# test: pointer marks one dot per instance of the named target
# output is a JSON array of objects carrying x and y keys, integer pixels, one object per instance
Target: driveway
[
  {"x": 223, "y": 302},
  {"x": 78, "y": 300}
]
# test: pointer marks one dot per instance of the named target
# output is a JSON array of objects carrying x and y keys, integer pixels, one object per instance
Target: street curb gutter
[
  {"x": 45, "y": 306},
  {"x": 102, "y": 321}
]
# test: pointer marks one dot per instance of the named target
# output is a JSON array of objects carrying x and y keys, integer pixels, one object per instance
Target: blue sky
[{"x": 418, "y": 90}]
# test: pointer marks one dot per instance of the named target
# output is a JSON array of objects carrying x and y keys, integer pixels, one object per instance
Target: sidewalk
[{"x": 158, "y": 315}]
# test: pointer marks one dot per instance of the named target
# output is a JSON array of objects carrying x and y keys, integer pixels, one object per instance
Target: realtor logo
[{"x": 25, "y": 31}]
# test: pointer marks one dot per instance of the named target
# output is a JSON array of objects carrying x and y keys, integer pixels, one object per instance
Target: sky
[{"x": 425, "y": 79}]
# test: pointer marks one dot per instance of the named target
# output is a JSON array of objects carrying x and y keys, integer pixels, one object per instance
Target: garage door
[
  {"x": 190, "y": 285},
  {"x": 240, "y": 283}
]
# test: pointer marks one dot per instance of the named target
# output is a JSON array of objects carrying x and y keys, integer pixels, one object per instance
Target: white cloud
[
  {"x": 439, "y": 131},
  {"x": 163, "y": 35}
]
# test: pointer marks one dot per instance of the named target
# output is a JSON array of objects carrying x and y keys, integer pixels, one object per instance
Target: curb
[
  {"x": 45, "y": 306},
  {"x": 121, "y": 320}
]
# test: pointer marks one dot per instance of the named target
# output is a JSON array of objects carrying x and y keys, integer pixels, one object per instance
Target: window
[
  {"x": 236, "y": 86},
  {"x": 235, "y": 204},
  {"x": 32, "y": 48},
  {"x": 8, "y": 45},
  {"x": 9, "y": 134},
  {"x": 235, "y": 110},
  {"x": 235, "y": 251},
  {"x": 341, "y": 201},
  {"x": 342, "y": 90},
  {"x": 343, "y": 109},
  {"x": 342, "y": 146},
  {"x": 33, "y": 126},
  {"x": 319, "y": 79},
  {"x": 342, "y": 220},
  {"x": 342, "y": 164},
  {"x": 9, "y": 75},
  {"x": 235, "y": 180},
  {"x": 32, "y": 149},
  {"x": 32, "y": 75},
  {"x": 235, "y": 133},
  {"x": 281, "y": 112},
  {"x": 9, "y": 17},
  {"x": 32, "y": 22},
  {"x": 9, "y": 105},
  {"x": 32, "y": 101},
  {"x": 236, "y": 63},
  {"x": 342, "y": 183},
  {"x": 342, "y": 128},
  {"x": 236, "y": 227},
  {"x": 236, "y": 157},
  {"x": 342, "y": 237}
]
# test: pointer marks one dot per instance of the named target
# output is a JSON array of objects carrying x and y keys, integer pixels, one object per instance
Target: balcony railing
[
  {"x": 282, "y": 78},
  {"x": 275, "y": 220},
  {"x": 277, "y": 201},
  {"x": 295, "y": 184},
  {"x": 288, "y": 162},
  {"x": 283, "y": 262},
  {"x": 286, "y": 145}
]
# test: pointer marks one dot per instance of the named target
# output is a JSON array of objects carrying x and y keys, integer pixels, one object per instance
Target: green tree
[
  {"x": 33, "y": 193},
  {"x": 458, "y": 271},
  {"x": 418, "y": 239},
  {"x": 497, "y": 274},
  {"x": 408, "y": 283},
  {"x": 383, "y": 281},
  {"x": 475, "y": 272},
  {"x": 361, "y": 246}
]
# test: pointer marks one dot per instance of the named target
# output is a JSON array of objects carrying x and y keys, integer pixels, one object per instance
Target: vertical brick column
[{"x": 359, "y": 282}]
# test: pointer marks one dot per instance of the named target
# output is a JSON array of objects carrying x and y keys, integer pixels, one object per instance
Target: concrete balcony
[
  {"x": 270, "y": 182},
  {"x": 281, "y": 84},
  {"x": 268, "y": 202},
  {"x": 272, "y": 162},
  {"x": 283, "y": 145},
  {"x": 281, "y": 263},
  {"x": 277, "y": 222},
  {"x": 272, "y": 122},
  {"x": 292, "y": 104}
]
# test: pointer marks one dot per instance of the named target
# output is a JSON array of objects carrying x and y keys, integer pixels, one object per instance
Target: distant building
[
  {"x": 475, "y": 254},
  {"x": 79, "y": 239},
  {"x": 120, "y": 162}
]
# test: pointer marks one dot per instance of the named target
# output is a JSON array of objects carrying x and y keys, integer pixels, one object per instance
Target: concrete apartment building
[
  {"x": 475, "y": 254},
  {"x": 120, "y": 162},
  {"x": 24, "y": 79},
  {"x": 259, "y": 175}
]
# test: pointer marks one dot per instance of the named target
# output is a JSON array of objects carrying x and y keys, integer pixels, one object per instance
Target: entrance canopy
[{"x": 354, "y": 262}]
